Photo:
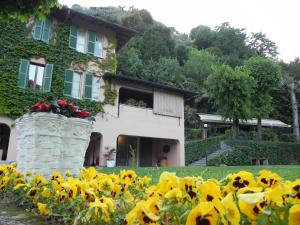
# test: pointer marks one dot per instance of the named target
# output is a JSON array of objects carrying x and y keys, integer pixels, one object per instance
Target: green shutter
[
  {"x": 68, "y": 83},
  {"x": 47, "y": 78},
  {"x": 88, "y": 86},
  {"x": 38, "y": 29},
  {"x": 91, "y": 44},
  {"x": 46, "y": 30},
  {"x": 23, "y": 73},
  {"x": 73, "y": 37}
]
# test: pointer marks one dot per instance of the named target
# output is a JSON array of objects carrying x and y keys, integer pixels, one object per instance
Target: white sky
[{"x": 279, "y": 19}]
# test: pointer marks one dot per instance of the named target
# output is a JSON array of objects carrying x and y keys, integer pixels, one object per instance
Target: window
[
  {"x": 135, "y": 98},
  {"x": 76, "y": 85},
  {"x": 82, "y": 85},
  {"x": 96, "y": 88},
  {"x": 35, "y": 76},
  {"x": 86, "y": 42},
  {"x": 80, "y": 46},
  {"x": 42, "y": 30}
]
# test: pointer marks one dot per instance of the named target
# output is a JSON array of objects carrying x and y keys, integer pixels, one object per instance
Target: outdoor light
[{"x": 205, "y": 125}]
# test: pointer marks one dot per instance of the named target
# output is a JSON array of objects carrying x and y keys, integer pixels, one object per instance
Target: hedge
[
  {"x": 277, "y": 153},
  {"x": 197, "y": 149}
]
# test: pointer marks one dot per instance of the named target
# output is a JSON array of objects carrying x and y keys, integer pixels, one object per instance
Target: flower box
[{"x": 48, "y": 142}]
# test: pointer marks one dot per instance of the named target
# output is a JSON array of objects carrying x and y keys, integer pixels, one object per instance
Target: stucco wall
[{"x": 128, "y": 120}]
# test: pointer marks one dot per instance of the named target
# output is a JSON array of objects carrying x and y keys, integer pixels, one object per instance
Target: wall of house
[
  {"x": 128, "y": 120},
  {"x": 12, "y": 146}
]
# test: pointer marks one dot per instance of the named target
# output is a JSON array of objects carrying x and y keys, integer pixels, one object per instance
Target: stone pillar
[{"x": 48, "y": 142}]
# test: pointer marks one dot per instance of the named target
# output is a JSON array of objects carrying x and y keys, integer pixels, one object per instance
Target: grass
[{"x": 290, "y": 172}]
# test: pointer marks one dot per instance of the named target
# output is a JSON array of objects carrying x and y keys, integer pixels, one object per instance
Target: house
[{"x": 72, "y": 55}]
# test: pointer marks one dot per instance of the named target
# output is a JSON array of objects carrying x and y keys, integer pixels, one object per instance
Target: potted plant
[
  {"x": 110, "y": 157},
  {"x": 52, "y": 137}
]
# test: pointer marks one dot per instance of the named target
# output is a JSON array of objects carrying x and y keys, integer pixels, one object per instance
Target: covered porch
[{"x": 146, "y": 151}]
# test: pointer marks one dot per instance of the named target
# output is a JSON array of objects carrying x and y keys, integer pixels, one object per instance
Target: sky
[{"x": 278, "y": 19}]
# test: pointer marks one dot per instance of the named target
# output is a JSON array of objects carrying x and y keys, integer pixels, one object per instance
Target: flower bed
[{"x": 97, "y": 198}]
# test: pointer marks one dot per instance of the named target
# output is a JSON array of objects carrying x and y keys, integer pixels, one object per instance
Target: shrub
[
  {"x": 198, "y": 149},
  {"x": 287, "y": 138},
  {"x": 277, "y": 153}
]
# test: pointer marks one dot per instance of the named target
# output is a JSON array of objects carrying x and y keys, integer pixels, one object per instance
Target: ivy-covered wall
[{"x": 15, "y": 43}]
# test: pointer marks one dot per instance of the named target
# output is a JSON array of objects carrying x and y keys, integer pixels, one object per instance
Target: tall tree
[
  {"x": 292, "y": 83},
  {"x": 230, "y": 92},
  {"x": 199, "y": 66},
  {"x": 267, "y": 76},
  {"x": 202, "y": 36},
  {"x": 262, "y": 45},
  {"x": 23, "y": 9}
]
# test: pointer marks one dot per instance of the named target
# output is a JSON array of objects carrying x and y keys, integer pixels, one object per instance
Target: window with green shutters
[
  {"x": 42, "y": 30},
  {"x": 82, "y": 85},
  {"x": 35, "y": 76},
  {"x": 95, "y": 44},
  {"x": 73, "y": 37}
]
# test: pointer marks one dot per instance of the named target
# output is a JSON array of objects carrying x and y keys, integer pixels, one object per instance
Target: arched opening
[
  {"x": 4, "y": 140},
  {"x": 93, "y": 151}
]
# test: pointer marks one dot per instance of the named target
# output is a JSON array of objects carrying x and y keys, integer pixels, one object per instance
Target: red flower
[
  {"x": 36, "y": 106},
  {"x": 62, "y": 103},
  {"x": 44, "y": 107},
  {"x": 82, "y": 114}
]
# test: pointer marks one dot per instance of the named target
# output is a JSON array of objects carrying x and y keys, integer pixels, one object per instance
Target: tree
[
  {"x": 261, "y": 45},
  {"x": 129, "y": 62},
  {"x": 292, "y": 83},
  {"x": 267, "y": 76},
  {"x": 202, "y": 36},
  {"x": 232, "y": 43},
  {"x": 199, "y": 66},
  {"x": 230, "y": 92},
  {"x": 23, "y": 9}
]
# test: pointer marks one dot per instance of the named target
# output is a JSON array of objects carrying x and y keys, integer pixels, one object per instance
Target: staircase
[{"x": 203, "y": 162}]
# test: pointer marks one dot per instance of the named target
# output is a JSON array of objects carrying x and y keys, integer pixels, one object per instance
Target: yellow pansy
[
  {"x": 231, "y": 214},
  {"x": 294, "y": 215},
  {"x": 242, "y": 179},
  {"x": 268, "y": 179},
  {"x": 204, "y": 213},
  {"x": 44, "y": 211}
]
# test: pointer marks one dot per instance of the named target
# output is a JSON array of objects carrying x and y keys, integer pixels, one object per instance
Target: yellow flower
[
  {"x": 209, "y": 191},
  {"x": 68, "y": 173},
  {"x": 268, "y": 179},
  {"x": 278, "y": 195},
  {"x": 46, "y": 192},
  {"x": 38, "y": 180},
  {"x": 128, "y": 196},
  {"x": 204, "y": 213},
  {"x": 70, "y": 189},
  {"x": 252, "y": 204},
  {"x": 44, "y": 211},
  {"x": 106, "y": 184},
  {"x": 32, "y": 192},
  {"x": 19, "y": 186},
  {"x": 176, "y": 193},
  {"x": 294, "y": 216},
  {"x": 232, "y": 215},
  {"x": 56, "y": 176},
  {"x": 188, "y": 186},
  {"x": 295, "y": 192},
  {"x": 116, "y": 191},
  {"x": 145, "y": 215},
  {"x": 242, "y": 179},
  {"x": 99, "y": 209},
  {"x": 3, "y": 183}
]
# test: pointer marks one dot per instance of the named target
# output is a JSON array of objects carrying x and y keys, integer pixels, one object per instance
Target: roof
[
  {"x": 185, "y": 93},
  {"x": 123, "y": 34},
  {"x": 211, "y": 118}
]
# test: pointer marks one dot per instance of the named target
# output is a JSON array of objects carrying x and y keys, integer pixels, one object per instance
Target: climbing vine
[{"x": 16, "y": 43}]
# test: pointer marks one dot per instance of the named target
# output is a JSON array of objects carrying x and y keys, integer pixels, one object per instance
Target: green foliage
[
  {"x": 110, "y": 95},
  {"x": 203, "y": 37},
  {"x": 129, "y": 61},
  {"x": 277, "y": 153},
  {"x": 267, "y": 76},
  {"x": 197, "y": 149},
  {"x": 261, "y": 45},
  {"x": 133, "y": 102},
  {"x": 287, "y": 137},
  {"x": 15, "y": 45},
  {"x": 230, "y": 90},
  {"x": 199, "y": 66},
  {"x": 22, "y": 10},
  {"x": 133, "y": 159}
]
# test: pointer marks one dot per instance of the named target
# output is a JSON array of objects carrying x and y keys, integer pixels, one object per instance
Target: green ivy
[
  {"x": 16, "y": 43},
  {"x": 110, "y": 95}
]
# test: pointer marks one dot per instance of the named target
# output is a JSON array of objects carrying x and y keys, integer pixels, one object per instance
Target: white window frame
[
  {"x": 35, "y": 75},
  {"x": 80, "y": 91},
  {"x": 84, "y": 32},
  {"x": 99, "y": 87}
]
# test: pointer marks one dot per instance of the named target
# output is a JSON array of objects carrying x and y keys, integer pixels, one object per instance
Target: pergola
[{"x": 218, "y": 120}]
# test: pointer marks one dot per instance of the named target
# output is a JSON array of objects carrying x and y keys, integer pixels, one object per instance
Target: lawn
[{"x": 290, "y": 172}]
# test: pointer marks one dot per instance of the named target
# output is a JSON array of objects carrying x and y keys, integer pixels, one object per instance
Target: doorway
[{"x": 4, "y": 140}]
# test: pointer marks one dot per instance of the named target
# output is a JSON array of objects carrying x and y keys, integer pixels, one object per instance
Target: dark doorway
[
  {"x": 4, "y": 140},
  {"x": 145, "y": 151},
  {"x": 126, "y": 150},
  {"x": 92, "y": 153}
]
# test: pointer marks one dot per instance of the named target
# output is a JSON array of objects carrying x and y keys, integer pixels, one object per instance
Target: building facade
[{"x": 72, "y": 56}]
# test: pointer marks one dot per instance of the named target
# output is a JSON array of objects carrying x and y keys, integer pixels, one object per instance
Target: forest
[{"x": 256, "y": 83}]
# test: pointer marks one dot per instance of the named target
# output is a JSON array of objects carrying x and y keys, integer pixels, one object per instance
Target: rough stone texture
[{"x": 48, "y": 142}]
